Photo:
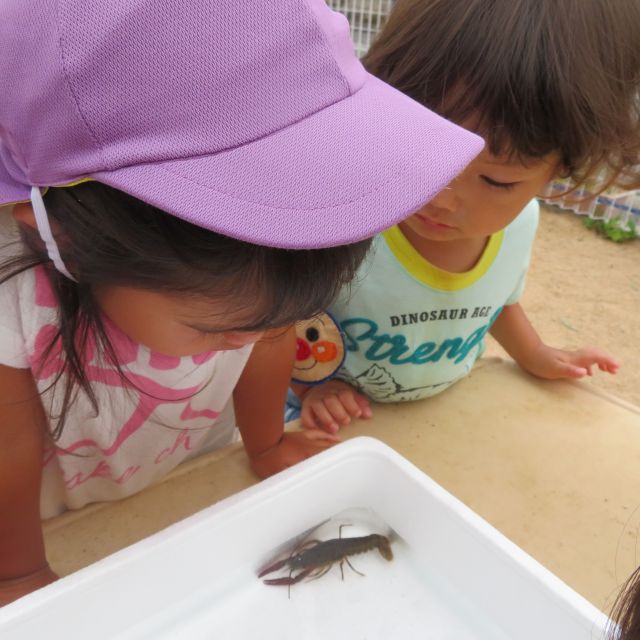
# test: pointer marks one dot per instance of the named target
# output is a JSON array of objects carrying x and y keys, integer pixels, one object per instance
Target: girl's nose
[
  {"x": 445, "y": 199},
  {"x": 242, "y": 338}
]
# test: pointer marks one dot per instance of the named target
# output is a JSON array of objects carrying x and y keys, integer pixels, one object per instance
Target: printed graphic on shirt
[
  {"x": 377, "y": 382},
  {"x": 319, "y": 349},
  {"x": 363, "y": 334},
  {"x": 400, "y": 351},
  {"x": 411, "y": 329}
]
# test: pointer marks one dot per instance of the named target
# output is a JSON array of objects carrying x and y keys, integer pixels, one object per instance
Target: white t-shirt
[
  {"x": 176, "y": 407},
  {"x": 412, "y": 329}
]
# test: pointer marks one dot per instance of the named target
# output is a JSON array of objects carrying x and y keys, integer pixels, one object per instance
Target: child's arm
[
  {"x": 330, "y": 405},
  {"x": 519, "y": 339},
  {"x": 23, "y": 565},
  {"x": 259, "y": 400}
]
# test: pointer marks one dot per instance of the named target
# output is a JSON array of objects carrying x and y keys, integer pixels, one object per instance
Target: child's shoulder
[
  {"x": 26, "y": 299},
  {"x": 11, "y": 247},
  {"x": 526, "y": 221}
]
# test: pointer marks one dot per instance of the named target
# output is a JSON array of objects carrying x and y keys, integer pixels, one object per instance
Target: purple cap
[{"x": 251, "y": 118}]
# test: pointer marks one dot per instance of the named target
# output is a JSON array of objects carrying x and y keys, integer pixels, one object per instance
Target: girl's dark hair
[
  {"x": 542, "y": 76},
  {"x": 107, "y": 237},
  {"x": 626, "y": 610}
]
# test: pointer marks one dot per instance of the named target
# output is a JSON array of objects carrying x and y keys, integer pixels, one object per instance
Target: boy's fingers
[
  {"x": 591, "y": 356},
  {"x": 319, "y": 436},
  {"x": 348, "y": 400},
  {"x": 337, "y": 410},
  {"x": 609, "y": 365},
  {"x": 323, "y": 416},
  {"x": 364, "y": 405},
  {"x": 567, "y": 370},
  {"x": 582, "y": 365},
  {"x": 307, "y": 419}
]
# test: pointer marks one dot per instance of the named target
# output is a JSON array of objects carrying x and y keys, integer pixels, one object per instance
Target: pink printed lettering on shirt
[
  {"x": 44, "y": 293},
  {"x": 162, "y": 362},
  {"x": 156, "y": 395},
  {"x": 128, "y": 473},
  {"x": 183, "y": 439},
  {"x": 43, "y": 369},
  {"x": 150, "y": 394},
  {"x": 201, "y": 358},
  {"x": 189, "y": 413},
  {"x": 101, "y": 470}
]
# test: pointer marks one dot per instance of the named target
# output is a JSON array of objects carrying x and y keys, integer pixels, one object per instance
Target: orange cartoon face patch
[{"x": 319, "y": 351}]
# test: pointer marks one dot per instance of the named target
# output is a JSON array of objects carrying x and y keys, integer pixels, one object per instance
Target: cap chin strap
[{"x": 44, "y": 229}]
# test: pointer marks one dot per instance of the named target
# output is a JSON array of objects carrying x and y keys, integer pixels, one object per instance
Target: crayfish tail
[{"x": 384, "y": 547}]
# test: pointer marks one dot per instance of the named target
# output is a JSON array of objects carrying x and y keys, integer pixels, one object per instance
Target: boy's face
[{"x": 485, "y": 198}]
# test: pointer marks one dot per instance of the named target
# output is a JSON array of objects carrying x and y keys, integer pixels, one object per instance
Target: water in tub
[{"x": 401, "y": 598}]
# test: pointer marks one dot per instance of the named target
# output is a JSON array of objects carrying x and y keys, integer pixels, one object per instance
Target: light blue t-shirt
[{"x": 412, "y": 329}]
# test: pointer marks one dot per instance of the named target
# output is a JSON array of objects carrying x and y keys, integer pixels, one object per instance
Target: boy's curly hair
[
  {"x": 540, "y": 76},
  {"x": 625, "y": 612}
]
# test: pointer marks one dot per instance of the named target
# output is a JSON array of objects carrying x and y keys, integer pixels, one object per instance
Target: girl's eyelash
[{"x": 499, "y": 185}]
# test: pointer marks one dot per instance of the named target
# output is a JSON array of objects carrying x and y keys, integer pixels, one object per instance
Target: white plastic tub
[{"x": 453, "y": 575}]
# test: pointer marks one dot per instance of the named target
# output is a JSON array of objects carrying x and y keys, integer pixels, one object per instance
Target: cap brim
[
  {"x": 344, "y": 174},
  {"x": 339, "y": 176},
  {"x": 11, "y": 191}
]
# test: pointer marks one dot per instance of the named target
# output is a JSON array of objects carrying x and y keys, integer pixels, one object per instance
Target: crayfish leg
[
  {"x": 352, "y": 568},
  {"x": 318, "y": 573}
]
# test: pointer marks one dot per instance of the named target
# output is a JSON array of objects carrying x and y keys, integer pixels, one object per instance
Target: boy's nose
[{"x": 445, "y": 199}]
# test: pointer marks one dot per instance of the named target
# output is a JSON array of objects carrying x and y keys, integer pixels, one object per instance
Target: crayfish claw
[
  {"x": 279, "y": 581},
  {"x": 289, "y": 580},
  {"x": 271, "y": 568}
]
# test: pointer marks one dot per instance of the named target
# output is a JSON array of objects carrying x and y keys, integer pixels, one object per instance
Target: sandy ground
[{"x": 585, "y": 290}]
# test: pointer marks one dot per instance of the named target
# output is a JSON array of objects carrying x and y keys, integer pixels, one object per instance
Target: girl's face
[
  {"x": 485, "y": 198},
  {"x": 174, "y": 325}
]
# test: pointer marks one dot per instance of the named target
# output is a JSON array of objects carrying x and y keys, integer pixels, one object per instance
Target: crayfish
[{"x": 316, "y": 557}]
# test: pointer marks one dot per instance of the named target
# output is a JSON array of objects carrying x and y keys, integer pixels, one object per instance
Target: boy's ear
[
  {"x": 23, "y": 214},
  {"x": 562, "y": 172}
]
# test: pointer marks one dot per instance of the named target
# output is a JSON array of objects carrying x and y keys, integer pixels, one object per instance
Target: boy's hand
[
  {"x": 331, "y": 405},
  {"x": 11, "y": 590},
  {"x": 292, "y": 448},
  {"x": 553, "y": 364},
  {"x": 519, "y": 339}
]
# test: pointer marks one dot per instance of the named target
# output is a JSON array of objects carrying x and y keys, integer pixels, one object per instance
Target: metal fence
[
  {"x": 622, "y": 208},
  {"x": 365, "y": 17}
]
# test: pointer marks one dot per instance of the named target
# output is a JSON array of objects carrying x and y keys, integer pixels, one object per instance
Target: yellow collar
[{"x": 423, "y": 271}]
